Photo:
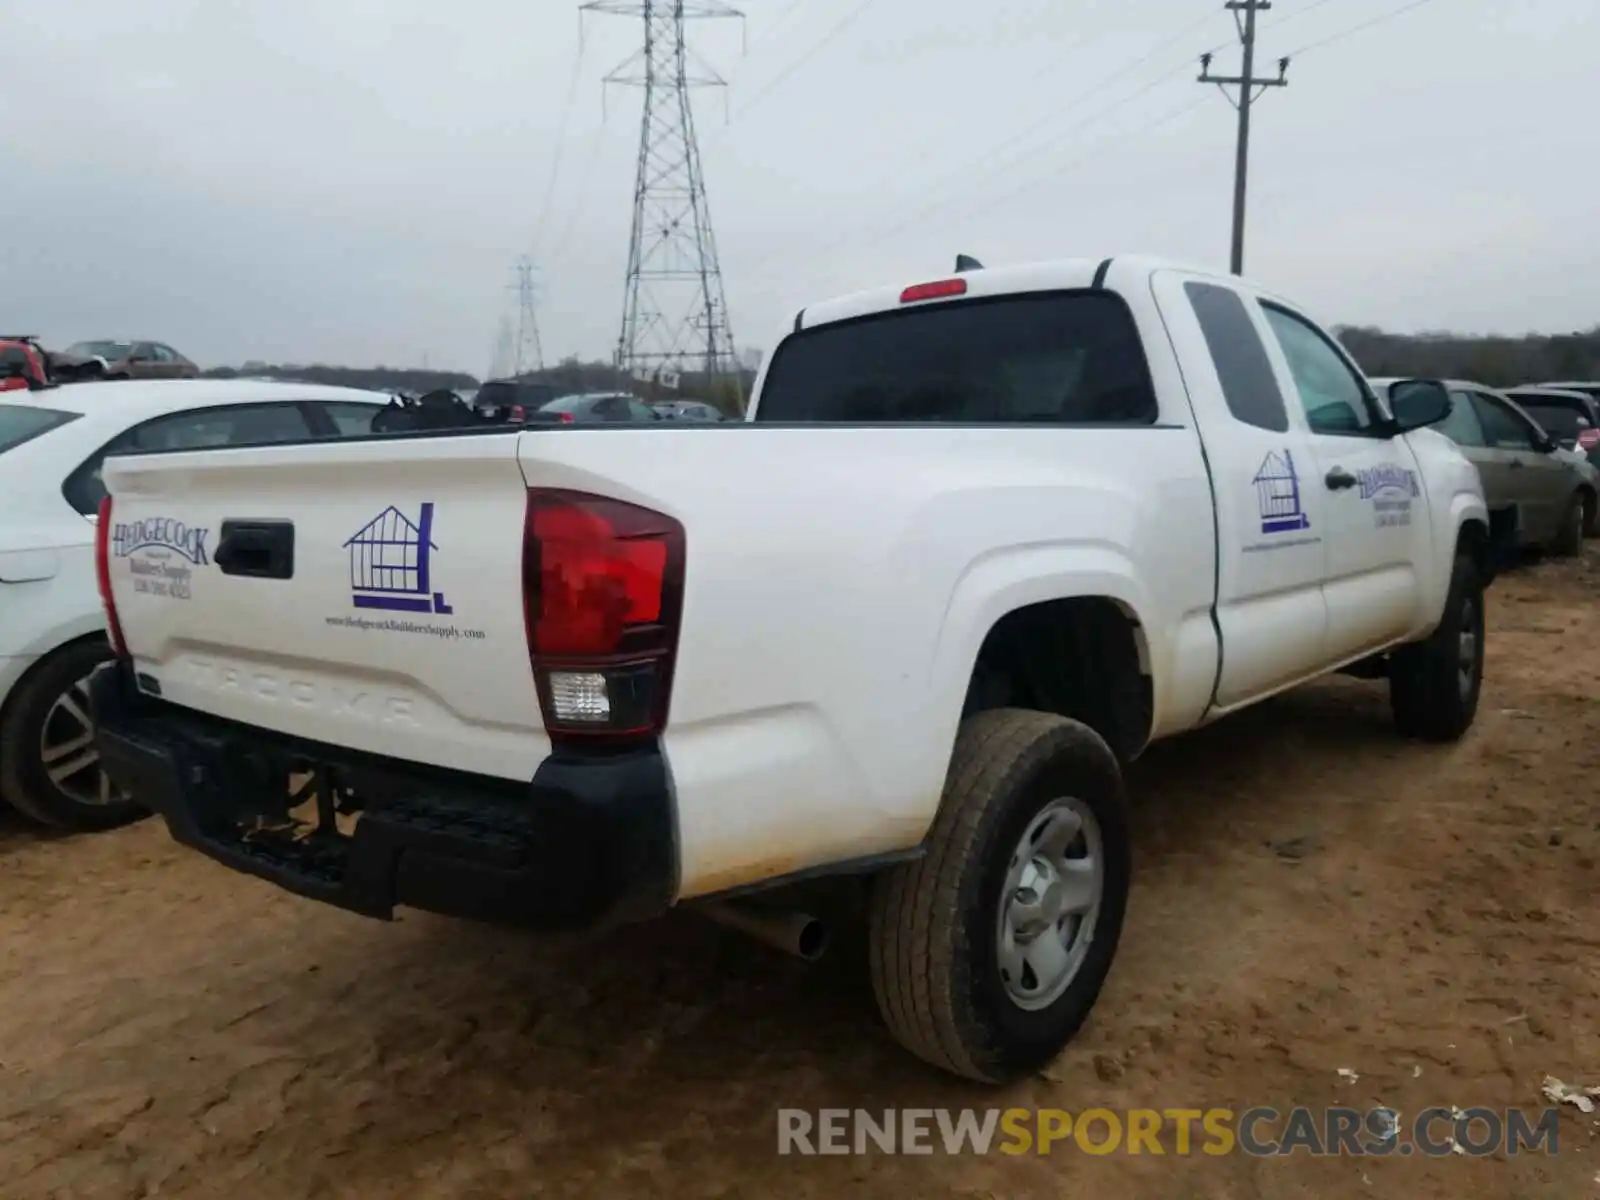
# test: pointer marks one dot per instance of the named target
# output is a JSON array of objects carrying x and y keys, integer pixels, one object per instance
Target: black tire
[
  {"x": 1591, "y": 510},
  {"x": 1430, "y": 696},
  {"x": 24, "y": 782},
  {"x": 1569, "y": 537},
  {"x": 934, "y": 929}
]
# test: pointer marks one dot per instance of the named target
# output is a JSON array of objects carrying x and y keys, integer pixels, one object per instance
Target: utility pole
[{"x": 1247, "y": 84}]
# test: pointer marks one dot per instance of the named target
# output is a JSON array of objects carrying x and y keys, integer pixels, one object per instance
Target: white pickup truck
[{"x": 980, "y": 542}]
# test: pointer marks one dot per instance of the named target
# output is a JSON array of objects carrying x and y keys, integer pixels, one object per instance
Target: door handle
[
  {"x": 1338, "y": 479},
  {"x": 1515, "y": 464},
  {"x": 259, "y": 549}
]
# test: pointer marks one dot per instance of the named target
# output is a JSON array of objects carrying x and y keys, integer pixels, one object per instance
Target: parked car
[
  {"x": 53, "y": 445},
  {"x": 22, "y": 365},
  {"x": 1589, "y": 387},
  {"x": 689, "y": 410},
  {"x": 1572, "y": 418},
  {"x": 137, "y": 360},
  {"x": 1537, "y": 496},
  {"x": 25, "y": 363},
  {"x": 596, "y": 406},
  {"x": 983, "y": 540},
  {"x": 512, "y": 399}
]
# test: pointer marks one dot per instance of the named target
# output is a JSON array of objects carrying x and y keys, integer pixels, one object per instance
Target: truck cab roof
[{"x": 1047, "y": 275}]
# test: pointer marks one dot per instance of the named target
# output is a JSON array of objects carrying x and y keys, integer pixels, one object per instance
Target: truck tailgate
[{"x": 366, "y": 594}]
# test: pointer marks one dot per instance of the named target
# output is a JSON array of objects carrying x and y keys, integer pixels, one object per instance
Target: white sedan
[{"x": 52, "y": 444}]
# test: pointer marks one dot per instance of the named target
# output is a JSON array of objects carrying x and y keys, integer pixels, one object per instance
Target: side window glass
[
  {"x": 1462, "y": 425},
  {"x": 246, "y": 424},
  {"x": 1504, "y": 430},
  {"x": 1248, "y": 384},
  {"x": 1333, "y": 396},
  {"x": 243, "y": 425},
  {"x": 352, "y": 420},
  {"x": 162, "y": 353},
  {"x": 84, "y": 488}
]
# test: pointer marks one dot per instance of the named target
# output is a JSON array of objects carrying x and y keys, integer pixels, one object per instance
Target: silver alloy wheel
[
  {"x": 67, "y": 750},
  {"x": 1054, "y": 887},
  {"x": 1467, "y": 648}
]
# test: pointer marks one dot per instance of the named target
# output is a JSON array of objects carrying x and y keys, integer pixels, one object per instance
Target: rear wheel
[
  {"x": 1434, "y": 684},
  {"x": 988, "y": 953},
  {"x": 49, "y": 766}
]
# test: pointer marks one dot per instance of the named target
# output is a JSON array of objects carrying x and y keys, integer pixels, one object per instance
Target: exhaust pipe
[{"x": 796, "y": 933}]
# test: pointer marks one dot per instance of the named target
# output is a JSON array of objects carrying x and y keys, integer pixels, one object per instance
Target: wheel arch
[
  {"x": 1087, "y": 609},
  {"x": 9, "y": 702}
]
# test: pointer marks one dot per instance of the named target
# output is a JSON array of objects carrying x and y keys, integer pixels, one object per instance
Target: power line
[
  {"x": 966, "y": 170},
  {"x": 1355, "y": 29},
  {"x": 1297, "y": 14},
  {"x": 971, "y": 169},
  {"x": 1066, "y": 168},
  {"x": 849, "y": 19},
  {"x": 1247, "y": 82},
  {"x": 777, "y": 22},
  {"x": 563, "y": 246},
  {"x": 561, "y": 145},
  {"x": 1095, "y": 150}
]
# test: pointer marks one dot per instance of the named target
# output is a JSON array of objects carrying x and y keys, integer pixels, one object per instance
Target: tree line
[{"x": 1494, "y": 360}]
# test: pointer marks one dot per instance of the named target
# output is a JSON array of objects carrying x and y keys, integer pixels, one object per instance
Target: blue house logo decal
[
  {"x": 390, "y": 560},
  {"x": 1278, "y": 494}
]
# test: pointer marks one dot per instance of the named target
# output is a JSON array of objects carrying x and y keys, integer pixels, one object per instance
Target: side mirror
[{"x": 1417, "y": 403}]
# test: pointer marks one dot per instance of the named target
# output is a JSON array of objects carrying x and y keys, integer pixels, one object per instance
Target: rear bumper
[{"x": 590, "y": 840}]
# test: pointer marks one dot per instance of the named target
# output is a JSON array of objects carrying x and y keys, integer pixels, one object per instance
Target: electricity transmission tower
[
  {"x": 527, "y": 354},
  {"x": 1247, "y": 84},
  {"x": 674, "y": 313}
]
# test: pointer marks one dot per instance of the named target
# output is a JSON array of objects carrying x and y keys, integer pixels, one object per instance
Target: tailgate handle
[{"x": 258, "y": 549}]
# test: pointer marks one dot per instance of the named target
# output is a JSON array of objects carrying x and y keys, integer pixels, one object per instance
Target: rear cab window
[
  {"x": 21, "y": 423},
  {"x": 1047, "y": 358}
]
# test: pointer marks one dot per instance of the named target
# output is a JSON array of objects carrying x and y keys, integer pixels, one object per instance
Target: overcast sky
[{"x": 351, "y": 180}]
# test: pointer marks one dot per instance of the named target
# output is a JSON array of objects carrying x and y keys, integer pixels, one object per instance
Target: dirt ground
[{"x": 1311, "y": 894}]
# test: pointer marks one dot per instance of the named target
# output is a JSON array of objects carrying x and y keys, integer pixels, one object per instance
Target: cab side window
[
  {"x": 1243, "y": 368},
  {"x": 1333, "y": 395}
]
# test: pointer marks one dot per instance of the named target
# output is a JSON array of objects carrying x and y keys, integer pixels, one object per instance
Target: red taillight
[
  {"x": 516, "y": 413},
  {"x": 1589, "y": 438},
  {"x": 565, "y": 418},
  {"x": 602, "y": 585},
  {"x": 102, "y": 570},
  {"x": 934, "y": 291}
]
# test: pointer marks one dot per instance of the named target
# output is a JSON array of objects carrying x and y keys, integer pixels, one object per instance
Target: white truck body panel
[
  {"x": 840, "y": 580},
  {"x": 297, "y": 656}
]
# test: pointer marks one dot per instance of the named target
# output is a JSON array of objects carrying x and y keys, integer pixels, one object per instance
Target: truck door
[
  {"x": 1378, "y": 537},
  {"x": 1269, "y": 505}
]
